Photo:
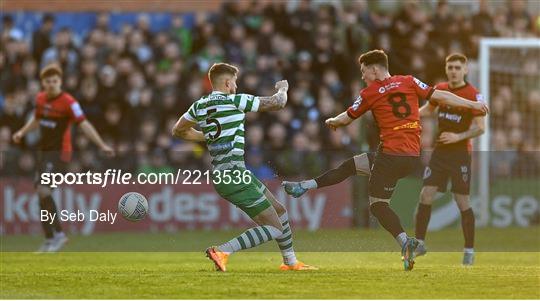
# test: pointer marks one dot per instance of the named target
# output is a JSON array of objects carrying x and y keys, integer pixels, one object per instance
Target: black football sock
[
  {"x": 467, "y": 224},
  {"x": 337, "y": 175},
  {"x": 387, "y": 218},
  {"x": 50, "y": 206},
  {"x": 422, "y": 220},
  {"x": 46, "y": 224}
]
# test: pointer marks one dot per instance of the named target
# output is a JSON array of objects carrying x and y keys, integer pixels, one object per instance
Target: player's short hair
[
  {"x": 50, "y": 70},
  {"x": 372, "y": 57},
  {"x": 220, "y": 69},
  {"x": 456, "y": 57}
]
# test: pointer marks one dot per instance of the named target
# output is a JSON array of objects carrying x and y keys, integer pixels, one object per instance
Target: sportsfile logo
[{"x": 119, "y": 177}]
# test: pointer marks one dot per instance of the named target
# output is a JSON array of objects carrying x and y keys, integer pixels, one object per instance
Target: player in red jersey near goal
[
  {"x": 451, "y": 158},
  {"x": 394, "y": 102}
]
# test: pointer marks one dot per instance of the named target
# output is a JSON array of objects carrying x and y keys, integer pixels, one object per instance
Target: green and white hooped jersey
[{"x": 221, "y": 117}]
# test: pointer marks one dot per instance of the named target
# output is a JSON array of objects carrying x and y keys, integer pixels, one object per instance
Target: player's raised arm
[
  {"x": 452, "y": 99},
  {"x": 340, "y": 120},
  {"x": 277, "y": 101},
  {"x": 184, "y": 129},
  {"x": 357, "y": 109}
]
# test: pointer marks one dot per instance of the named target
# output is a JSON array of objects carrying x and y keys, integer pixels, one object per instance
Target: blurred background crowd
[{"x": 134, "y": 78}]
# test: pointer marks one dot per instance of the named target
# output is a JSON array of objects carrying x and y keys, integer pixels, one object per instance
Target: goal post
[{"x": 501, "y": 60}]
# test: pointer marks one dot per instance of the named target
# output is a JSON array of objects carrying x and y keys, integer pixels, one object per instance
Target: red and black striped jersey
[
  {"x": 394, "y": 103},
  {"x": 55, "y": 118}
]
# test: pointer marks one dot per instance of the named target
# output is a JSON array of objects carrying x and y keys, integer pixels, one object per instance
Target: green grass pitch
[{"x": 353, "y": 264}]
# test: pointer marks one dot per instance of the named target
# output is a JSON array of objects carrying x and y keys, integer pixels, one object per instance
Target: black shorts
[
  {"x": 48, "y": 162},
  {"x": 449, "y": 164},
  {"x": 386, "y": 170}
]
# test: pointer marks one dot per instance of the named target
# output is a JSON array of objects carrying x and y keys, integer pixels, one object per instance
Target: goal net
[{"x": 508, "y": 154}]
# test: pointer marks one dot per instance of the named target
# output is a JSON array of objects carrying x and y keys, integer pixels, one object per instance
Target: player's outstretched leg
[
  {"x": 467, "y": 225},
  {"x": 269, "y": 229},
  {"x": 249, "y": 239},
  {"x": 423, "y": 215},
  {"x": 285, "y": 241},
  {"x": 390, "y": 221},
  {"x": 348, "y": 168}
]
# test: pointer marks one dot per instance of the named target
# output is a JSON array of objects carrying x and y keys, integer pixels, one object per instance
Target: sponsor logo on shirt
[
  {"x": 451, "y": 117},
  {"x": 389, "y": 86},
  {"x": 220, "y": 147},
  {"x": 47, "y": 123},
  {"x": 408, "y": 125}
]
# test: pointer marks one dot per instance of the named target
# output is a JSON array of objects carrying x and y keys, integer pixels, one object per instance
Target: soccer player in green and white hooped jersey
[{"x": 221, "y": 117}]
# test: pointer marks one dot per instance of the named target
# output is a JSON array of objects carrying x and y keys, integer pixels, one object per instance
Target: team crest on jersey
[
  {"x": 46, "y": 109},
  {"x": 357, "y": 103},
  {"x": 420, "y": 84}
]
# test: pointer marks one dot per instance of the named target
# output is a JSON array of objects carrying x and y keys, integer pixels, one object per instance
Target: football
[{"x": 133, "y": 206}]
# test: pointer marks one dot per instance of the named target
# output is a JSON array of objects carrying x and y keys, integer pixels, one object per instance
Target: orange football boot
[
  {"x": 219, "y": 258},
  {"x": 298, "y": 266}
]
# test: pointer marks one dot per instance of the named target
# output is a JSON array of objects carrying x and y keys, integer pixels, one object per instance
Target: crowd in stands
[{"x": 134, "y": 83}]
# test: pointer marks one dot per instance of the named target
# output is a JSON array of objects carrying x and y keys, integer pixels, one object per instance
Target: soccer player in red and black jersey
[
  {"x": 55, "y": 112},
  {"x": 451, "y": 158},
  {"x": 394, "y": 102}
]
